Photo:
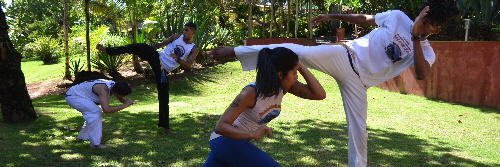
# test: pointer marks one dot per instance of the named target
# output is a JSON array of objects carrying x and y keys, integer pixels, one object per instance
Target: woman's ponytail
[{"x": 269, "y": 63}]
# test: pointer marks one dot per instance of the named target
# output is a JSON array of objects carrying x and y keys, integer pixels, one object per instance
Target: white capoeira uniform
[
  {"x": 81, "y": 98},
  {"x": 358, "y": 65}
]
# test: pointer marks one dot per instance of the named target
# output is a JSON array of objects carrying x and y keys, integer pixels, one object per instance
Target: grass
[
  {"x": 404, "y": 130},
  {"x": 35, "y": 71}
]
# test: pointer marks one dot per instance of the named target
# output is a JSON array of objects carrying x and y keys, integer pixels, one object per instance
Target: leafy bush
[
  {"x": 77, "y": 47},
  {"x": 107, "y": 63},
  {"x": 48, "y": 49}
]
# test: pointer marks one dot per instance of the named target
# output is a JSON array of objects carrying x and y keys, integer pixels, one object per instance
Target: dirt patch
[
  {"x": 60, "y": 86},
  {"x": 41, "y": 89}
]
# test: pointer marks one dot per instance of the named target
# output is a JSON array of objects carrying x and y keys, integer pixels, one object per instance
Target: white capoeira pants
[
  {"x": 334, "y": 61},
  {"x": 92, "y": 127}
]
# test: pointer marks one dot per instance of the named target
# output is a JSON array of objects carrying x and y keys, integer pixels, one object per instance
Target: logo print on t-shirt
[
  {"x": 179, "y": 51},
  {"x": 393, "y": 52},
  {"x": 270, "y": 116}
]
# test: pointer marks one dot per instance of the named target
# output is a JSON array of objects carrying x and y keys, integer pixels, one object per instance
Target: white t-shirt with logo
[
  {"x": 373, "y": 64},
  {"x": 370, "y": 50},
  {"x": 167, "y": 62}
]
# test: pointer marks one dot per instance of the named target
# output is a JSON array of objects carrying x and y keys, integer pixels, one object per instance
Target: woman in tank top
[{"x": 258, "y": 103}]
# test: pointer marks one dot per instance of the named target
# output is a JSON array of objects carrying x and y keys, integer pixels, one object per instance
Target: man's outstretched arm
[{"x": 222, "y": 52}]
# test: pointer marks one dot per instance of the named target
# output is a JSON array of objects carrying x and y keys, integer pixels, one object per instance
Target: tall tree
[
  {"x": 138, "y": 10},
  {"x": 250, "y": 21},
  {"x": 15, "y": 103},
  {"x": 87, "y": 31},
  {"x": 31, "y": 19},
  {"x": 67, "y": 74}
]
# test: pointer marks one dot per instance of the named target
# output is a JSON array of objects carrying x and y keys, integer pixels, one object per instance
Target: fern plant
[{"x": 108, "y": 63}]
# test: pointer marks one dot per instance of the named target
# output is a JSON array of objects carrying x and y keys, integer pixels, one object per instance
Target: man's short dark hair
[
  {"x": 122, "y": 88},
  {"x": 441, "y": 11},
  {"x": 190, "y": 25}
]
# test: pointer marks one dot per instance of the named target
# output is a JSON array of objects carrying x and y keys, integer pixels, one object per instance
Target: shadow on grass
[
  {"x": 136, "y": 141},
  {"x": 481, "y": 108},
  {"x": 411, "y": 151},
  {"x": 326, "y": 142}
]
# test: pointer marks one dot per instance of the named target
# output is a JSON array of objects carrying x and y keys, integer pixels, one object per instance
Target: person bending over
[
  {"x": 258, "y": 103},
  {"x": 86, "y": 96}
]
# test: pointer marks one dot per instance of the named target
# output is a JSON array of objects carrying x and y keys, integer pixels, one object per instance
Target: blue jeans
[{"x": 231, "y": 152}]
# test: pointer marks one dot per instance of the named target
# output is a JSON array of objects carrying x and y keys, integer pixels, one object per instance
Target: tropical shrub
[
  {"x": 485, "y": 17},
  {"x": 76, "y": 66},
  {"x": 47, "y": 49},
  {"x": 107, "y": 63}
]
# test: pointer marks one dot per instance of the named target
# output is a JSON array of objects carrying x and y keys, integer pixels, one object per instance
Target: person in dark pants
[{"x": 180, "y": 50}]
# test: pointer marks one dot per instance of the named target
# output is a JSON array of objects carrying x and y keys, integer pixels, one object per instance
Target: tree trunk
[
  {"x": 309, "y": 17},
  {"x": 87, "y": 33},
  {"x": 15, "y": 102},
  {"x": 288, "y": 19},
  {"x": 296, "y": 17},
  {"x": 271, "y": 21},
  {"x": 67, "y": 74},
  {"x": 135, "y": 59},
  {"x": 250, "y": 21}
]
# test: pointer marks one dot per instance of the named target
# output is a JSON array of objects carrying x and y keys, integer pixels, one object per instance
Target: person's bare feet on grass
[
  {"x": 101, "y": 48},
  {"x": 169, "y": 131},
  {"x": 222, "y": 52},
  {"x": 100, "y": 146}
]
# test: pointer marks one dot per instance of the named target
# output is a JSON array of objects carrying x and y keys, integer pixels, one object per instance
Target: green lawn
[
  {"x": 404, "y": 130},
  {"x": 35, "y": 71}
]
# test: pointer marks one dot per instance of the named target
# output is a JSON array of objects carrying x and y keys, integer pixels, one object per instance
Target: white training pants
[
  {"x": 334, "y": 61},
  {"x": 92, "y": 127}
]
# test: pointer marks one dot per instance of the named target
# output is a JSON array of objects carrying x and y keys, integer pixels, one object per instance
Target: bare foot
[
  {"x": 100, "y": 146},
  {"x": 169, "y": 131},
  {"x": 101, "y": 48},
  {"x": 222, "y": 52}
]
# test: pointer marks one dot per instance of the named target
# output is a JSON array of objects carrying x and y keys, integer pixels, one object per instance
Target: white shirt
[
  {"x": 84, "y": 89},
  {"x": 370, "y": 50},
  {"x": 374, "y": 66},
  {"x": 167, "y": 62}
]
